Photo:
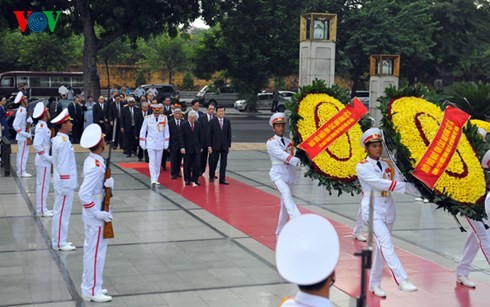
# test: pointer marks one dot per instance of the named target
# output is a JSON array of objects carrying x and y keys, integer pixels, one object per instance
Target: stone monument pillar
[
  {"x": 384, "y": 71},
  {"x": 318, "y": 32}
]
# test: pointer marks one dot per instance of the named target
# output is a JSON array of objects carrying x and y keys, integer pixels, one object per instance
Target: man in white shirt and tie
[
  {"x": 205, "y": 120},
  {"x": 140, "y": 117},
  {"x": 128, "y": 121},
  {"x": 176, "y": 156}
]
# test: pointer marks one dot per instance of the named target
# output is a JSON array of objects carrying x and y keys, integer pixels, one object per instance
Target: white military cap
[
  {"x": 485, "y": 161},
  {"x": 39, "y": 110},
  {"x": 91, "y": 136},
  {"x": 176, "y": 110},
  {"x": 19, "y": 97},
  {"x": 371, "y": 135},
  {"x": 156, "y": 105},
  {"x": 307, "y": 250},
  {"x": 482, "y": 132},
  {"x": 277, "y": 118},
  {"x": 62, "y": 117}
]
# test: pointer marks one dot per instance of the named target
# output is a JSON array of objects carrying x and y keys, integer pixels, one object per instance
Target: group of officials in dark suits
[{"x": 200, "y": 136}]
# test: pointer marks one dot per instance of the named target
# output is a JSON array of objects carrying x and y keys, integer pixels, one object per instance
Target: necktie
[
  {"x": 221, "y": 123},
  {"x": 132, "y": 116},
  {"x": 144, "y": 114},
  {"x": 192, "y": 127},
  {"x": 379, "y": 165},
  {"x": 102, "y": 106},
  {"x": 178, "y": 123},
  {"x": 75, "y": 108},
  {"x": 118, "y": 110},
  {"x": 283, "y": 143},
  {"x": 156, "y": 119}
]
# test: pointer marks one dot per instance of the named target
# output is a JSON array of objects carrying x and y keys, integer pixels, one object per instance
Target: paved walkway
[{"x": 171, "y": 251}]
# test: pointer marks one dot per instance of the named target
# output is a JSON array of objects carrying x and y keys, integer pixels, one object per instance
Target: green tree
[
  {"x": 140, "y": 78},
  {"x": 471, "y": 97},
  {"x": 116, "y": 18},
  {"x": 10, "y": 42},
  {"x": 164, "y": 54},
  {"x": 116, "y": 52},
  {"x": 188, "y": 82}
]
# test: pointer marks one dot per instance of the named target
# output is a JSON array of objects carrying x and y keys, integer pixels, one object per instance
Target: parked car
[
  {"x": 287, "y": 94},
  {"x": 225, "y": 95},
  {"x": 263, "y": 102},
  {"x": 12, "y": 110},
  {"x": 164, "y": 90},
  {"x": 363, "y": 97}
]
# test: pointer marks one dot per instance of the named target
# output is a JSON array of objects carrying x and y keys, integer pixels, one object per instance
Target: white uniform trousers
[
  {"x": 385, "y": 251},
  {"x": 22, "y": 155},
  {"x": 288, "y": 209},
  {"x": 359, "y": 222},
  {"x": 43, "y": 178},
  {"x": 155, "y": 163},
  {"x": 94, "y": 251},
  {"x": 478, "y": 238},
  {"x": 61, "y": 218}
]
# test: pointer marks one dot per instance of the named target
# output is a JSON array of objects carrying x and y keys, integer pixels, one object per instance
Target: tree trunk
[
  {"x": 91, "y": 84},
  {"x": 169, "y": 76},
  {"x": 108, "y": 77}
]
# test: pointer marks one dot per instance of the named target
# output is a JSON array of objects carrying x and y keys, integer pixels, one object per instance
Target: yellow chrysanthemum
[
  {"x": 339, "y": 160},
  {"x": 417, "y": 121},
  {"x": 481, "y": 124}
]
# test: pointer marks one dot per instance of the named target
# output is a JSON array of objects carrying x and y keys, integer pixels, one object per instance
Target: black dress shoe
[
  {"x": 180, "y": 176},
  {"x": 187, "y": 183},
  {"x": 128, "y": 156},
  {"x": 215, "y": 177},
  {"x": 173, "y": 178},
  {"x": 224, "y": 182},
  {"x": 211, "y": 179},
  {"x": 197, "y": 182},
  {"x": 139, "y": 160}
]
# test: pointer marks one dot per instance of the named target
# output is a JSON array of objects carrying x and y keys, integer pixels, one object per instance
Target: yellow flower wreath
[
  {"x": 417, "y": 121},
  {"x": 339, "y": 160}
]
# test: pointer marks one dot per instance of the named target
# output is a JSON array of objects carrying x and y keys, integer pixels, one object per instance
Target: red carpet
[{"x": 255, "y": 213}]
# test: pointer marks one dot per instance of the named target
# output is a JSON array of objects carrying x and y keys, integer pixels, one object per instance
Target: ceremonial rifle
[{"x": 108, "y": 230}]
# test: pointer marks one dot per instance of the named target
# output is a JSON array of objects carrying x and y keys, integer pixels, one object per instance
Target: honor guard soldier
[
  {"x": 154, "y": 137},
  {"x": 20, "y": 123},
  {"x": 307, "y": 253},
  {"x": 91, "y": 195},
  {"x": 65, "y": 181},
  {"x": 378, "y": 177},
  {"x": 478, "y": 238},
  {"x": 43, "y": 161},
  {"x": 283, "y": 170}
]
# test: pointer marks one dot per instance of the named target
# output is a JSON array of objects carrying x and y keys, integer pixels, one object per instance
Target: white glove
[
  {"x": 411, "y": 189},
  {"x": 26, "y": 134},
  {"x": 294, "y": 161},
  {"x": 29, "y": 120},
  {"x": 104, "y": 216},
  {"x": 109, "y": 183}
]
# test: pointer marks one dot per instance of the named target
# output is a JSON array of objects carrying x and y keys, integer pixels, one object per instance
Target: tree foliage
[{"x": 471, "y": 97}]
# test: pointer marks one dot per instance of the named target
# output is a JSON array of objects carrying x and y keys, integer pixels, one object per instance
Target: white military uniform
[
  {"x": 378, "y": 182},
  {"x": 305, "y": 299},
  {"x": 478, "y": 237},
  {"x": 283, "y": 175},
  {"x": 154, "y": 136},
  {"x": 19, "y": 125},
  {"x": 95, "y": 246},
  {"x": 42, "y": 143},
  {"x": 65, "y": 182}
]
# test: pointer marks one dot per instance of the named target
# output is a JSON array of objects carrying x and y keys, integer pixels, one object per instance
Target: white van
[{"x": 225, "y": 95}]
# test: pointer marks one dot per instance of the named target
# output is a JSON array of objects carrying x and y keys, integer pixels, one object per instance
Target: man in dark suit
[
  {"x": 195, "y": 107},
  {"x": 76, "y": 113},
  {"x": 140, "y": 117},
  {"x": 219, "y": 143},
  {"x": 54, "y": 110},
  {"x": 128, "y": 123},
  {"x": 100, "y": 115},
  {"x": 204, "y": 121},
  {"x": 167, "y": 111},
  {"x": 174, "y": 126},
  {"x": 190, "y": 146},
  {"x": 115, "y": 114}
]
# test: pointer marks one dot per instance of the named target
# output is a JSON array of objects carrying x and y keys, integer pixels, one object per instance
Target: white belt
[
  {"x": 279, "y": 163},
  {"x": 377, "y": 194}
]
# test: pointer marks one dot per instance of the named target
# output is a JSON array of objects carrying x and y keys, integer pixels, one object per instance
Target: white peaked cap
[
  {"x": 62, "y": 117},
  {"x": 307, "y": 250},
  {"x": 91, "y": 136},
  {"x": 482, "y": 132},
  {"x": 277, "y": 118},
  {"x": 371, "y": 135},
  {"x": 39, "y": 110},
  {"x": 485, "y": 161},
  {"x": 19, "y": 97},
  {"x": 156, "y": 105}
]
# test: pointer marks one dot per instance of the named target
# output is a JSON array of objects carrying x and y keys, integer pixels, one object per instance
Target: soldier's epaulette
[
  {"x": 364, "y": 161},
  {"x": 64, "y": 139},
  {"x": 271, "y": 139},
  {"x": 386, "y": 160},
  {"x": 126, "y": 105},
  {"x": 41, "y": 125},
  {"x": 147, "y": 116},
  {"x": 97, "y": 163}
]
